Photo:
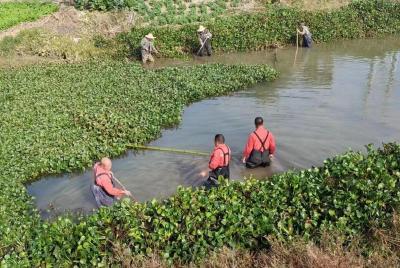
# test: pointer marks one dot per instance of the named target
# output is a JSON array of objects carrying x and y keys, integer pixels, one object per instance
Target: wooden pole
[
  {"x": 297, "y": 47},
  {"x": 171, "y": 150},
  {"x": 122, "y": 186}
]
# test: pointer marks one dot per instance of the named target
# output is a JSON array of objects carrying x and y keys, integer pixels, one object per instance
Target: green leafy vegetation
[
  {"x": 13, "y": 13},
  {"x": 277, "y": 25},
  {"x": 161, "y": 12},
  {"x": 60, "y": 118}
]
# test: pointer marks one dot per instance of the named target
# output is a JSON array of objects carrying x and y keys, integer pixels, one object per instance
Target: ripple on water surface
[{"x": 330, "y": 98}]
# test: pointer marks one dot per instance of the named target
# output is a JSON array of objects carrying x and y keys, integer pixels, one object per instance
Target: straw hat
[
  {"x": 201, "y": 29},
  {"x": 150, "y": 36}
]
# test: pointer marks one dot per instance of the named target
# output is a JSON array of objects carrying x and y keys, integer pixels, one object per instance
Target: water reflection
[{"x": 333, "y": 97}]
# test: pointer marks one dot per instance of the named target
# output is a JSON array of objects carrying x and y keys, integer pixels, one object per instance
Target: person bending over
[
  {"x": 307, "y": 36},
  {"x": 103, "y": 187}
]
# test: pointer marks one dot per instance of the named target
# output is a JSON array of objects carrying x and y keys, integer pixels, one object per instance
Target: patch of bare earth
[{"x": 76, "y": 24}]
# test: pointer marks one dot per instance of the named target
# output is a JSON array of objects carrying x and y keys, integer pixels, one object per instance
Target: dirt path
[{"x": 75, "y": 23}]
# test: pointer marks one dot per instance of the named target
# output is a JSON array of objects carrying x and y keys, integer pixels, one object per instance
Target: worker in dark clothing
[
  {"x": 219, "y": 161},
  {"x": 260, "y": 146},
  {"x": 307, "y": 36},
  {"x": 205, "y": 41}
]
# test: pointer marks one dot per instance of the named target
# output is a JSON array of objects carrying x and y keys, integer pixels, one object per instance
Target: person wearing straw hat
[
  {"x": 205, "y": 41},
  {"x": 147, "y": 48},
  {"x": 307, "y": 36}
]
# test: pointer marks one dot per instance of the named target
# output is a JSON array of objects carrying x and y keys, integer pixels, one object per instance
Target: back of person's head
[
  {"x": 219, "y": 138},
  {"x": 259, "y": 121},
  {"x": 106, "y": 163}
]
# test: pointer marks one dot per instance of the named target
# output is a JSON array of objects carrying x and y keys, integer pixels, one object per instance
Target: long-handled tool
[
  {"x": 297, "y": 47},
  {"x": 123, "y": 187},
  {"x": 171, "y": 150},
  {"x": 205, "y": 41}
]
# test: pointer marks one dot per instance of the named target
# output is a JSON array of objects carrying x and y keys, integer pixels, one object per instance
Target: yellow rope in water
[{"x": 171, "y": 150}]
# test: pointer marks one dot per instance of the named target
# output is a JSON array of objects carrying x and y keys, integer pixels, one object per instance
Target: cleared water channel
[{"x": 328, "y": 99}]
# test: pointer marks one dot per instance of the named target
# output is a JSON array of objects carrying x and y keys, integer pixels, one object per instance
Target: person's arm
[
  {"x": 105, "y": 182},
  {"x": 214, "y": 161},
  {"x": 301, "y": 32},
  {"x": 248, "y": 148},
  {"x": 153, "y": 48},
  {"x": 271, "y": 145}
]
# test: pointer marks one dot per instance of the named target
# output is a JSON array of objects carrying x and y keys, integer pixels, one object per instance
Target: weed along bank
[{"x": 328, "y": 194}]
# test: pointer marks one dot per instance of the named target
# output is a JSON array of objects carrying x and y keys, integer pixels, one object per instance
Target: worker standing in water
[
  {"x": 205, "y": 41},
  {"x": 260, "y": 147},
  {"x": 219, "y": 161},
  {"x": 148, "y": 48},
  {"x": 307, "y": 36},
  {"x": 103, "y": 185}
]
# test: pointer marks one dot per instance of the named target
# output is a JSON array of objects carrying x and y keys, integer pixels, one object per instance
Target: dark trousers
[
  {"x": 206, "y": 49},
  {"x": 213, "y": 176},
  {"x": 258, "y": 159},
  {"x": 101, "y": 197},
  {"x": 252, "y": 165},
  {"x": 307, "y": 41}
]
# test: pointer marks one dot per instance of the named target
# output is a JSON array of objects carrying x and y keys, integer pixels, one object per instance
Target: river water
[{"x": 327, "y": 99}]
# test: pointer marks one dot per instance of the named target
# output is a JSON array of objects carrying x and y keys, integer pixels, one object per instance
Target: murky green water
[{"x": 328, "y": 99}]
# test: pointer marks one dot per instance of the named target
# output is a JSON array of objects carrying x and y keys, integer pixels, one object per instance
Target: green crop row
[
  {"x": 13, "y": 13},
  {"x": 60, "y": 118},
  {"x": 277, "y": 25},
  {"x": 161, "y": 12}
]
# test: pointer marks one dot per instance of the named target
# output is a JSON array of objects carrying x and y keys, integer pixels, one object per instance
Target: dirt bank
[{"x": 77, "y": 24}]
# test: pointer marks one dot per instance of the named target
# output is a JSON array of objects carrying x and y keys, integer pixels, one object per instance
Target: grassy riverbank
[{"x": 273, "y": 26}]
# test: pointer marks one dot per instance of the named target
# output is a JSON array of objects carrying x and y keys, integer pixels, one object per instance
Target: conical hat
[
  {"x": 150, "y": 36},
  {"x": 201, "y": 28}
]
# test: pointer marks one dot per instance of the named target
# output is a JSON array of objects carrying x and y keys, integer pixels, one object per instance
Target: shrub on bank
[
  {"x": 60, "y": 118},
  {"x": 349, "y": 194},
  {"x": 277, "y": 25}
]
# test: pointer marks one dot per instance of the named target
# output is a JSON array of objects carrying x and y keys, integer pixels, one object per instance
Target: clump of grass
[
  {"x": 36, "y": 42},
  {"x": 381, "y": 249}
]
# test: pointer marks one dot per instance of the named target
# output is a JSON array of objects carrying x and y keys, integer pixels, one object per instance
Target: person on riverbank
[
  {"x": 148, "y": 48},
  {"x": 205, "y": 41},
  {"x": 103, "y": 187},
  {"x": 219, "y": 161},
  {"x": 260, "y": 147},
  {"x": 307, "y": 36}
]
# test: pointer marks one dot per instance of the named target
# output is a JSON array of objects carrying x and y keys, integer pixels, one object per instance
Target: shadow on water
[{"x": 333, "y": 97}]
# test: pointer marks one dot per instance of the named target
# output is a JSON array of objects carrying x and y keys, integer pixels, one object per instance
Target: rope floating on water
[{"x": 171, "y": 150}]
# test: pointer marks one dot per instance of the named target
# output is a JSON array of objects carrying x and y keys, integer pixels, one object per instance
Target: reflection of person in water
[{"x": 307, "y": 36}]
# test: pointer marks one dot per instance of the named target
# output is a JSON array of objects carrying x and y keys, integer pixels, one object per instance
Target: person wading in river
[
  {"x": 260, "y": 146},
  {"x": 219, "y": 161},
  {"x": 103, "y": 185},
  {"x": 307, "y": 36},
  {"x": 205, "y": 41},
  {"x": 147, "y": 48}
]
